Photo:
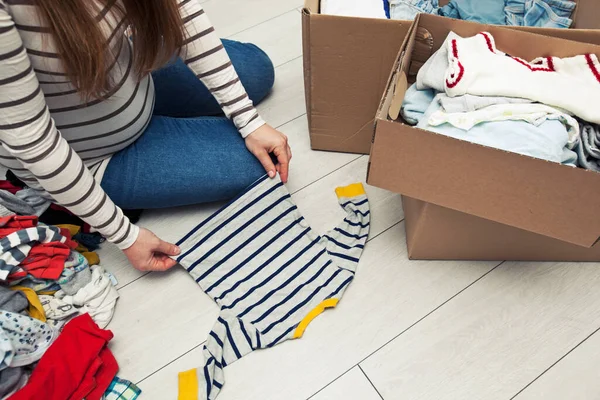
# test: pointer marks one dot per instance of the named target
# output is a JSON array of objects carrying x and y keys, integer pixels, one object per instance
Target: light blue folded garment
[
  {"x": 409, "y": 9},
  {"x": 547, "y": 141},
  {"x": 416, "y": 103},
  {"x": 482, "y": 11},
  {"x": 539, "y": 13}
]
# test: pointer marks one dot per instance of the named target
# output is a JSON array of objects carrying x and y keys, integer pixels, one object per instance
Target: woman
[{"x": 87, "y": 116}]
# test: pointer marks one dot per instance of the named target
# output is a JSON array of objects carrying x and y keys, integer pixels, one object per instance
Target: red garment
[
  {"x": 78, "y": 365},
  {"x": 9, "y": 187},
  {"x": 46, "y": 260},
  {"x": 14, "y": 223}
]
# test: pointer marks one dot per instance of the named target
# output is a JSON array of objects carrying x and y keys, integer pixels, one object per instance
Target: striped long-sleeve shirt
[{"x": 61, "y": 144}]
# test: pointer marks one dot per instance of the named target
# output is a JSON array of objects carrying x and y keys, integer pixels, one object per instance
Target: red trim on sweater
[
  {"x": 590, "y": 62},
  {"x": 549, "y": 68},
  {"x": 461, "y": 69},
  {"x": 488, "y": 41}
]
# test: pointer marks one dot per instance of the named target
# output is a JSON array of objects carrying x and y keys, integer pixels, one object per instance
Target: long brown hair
[{"x": 156, "y": 27}]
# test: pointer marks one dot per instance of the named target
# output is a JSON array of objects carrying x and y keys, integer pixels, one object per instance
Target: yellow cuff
[
  {"x": 188, "y": 385},
  {"x": 312, "y": 315},
  {"x": 354, "y": 190}
]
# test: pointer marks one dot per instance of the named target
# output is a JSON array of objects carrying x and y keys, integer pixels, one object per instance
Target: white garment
[
  {"x": 477, "y": 67},
  {"x": 98, "y": 298},
  {"x": 432, "y": 73},
  {"x": 354, "y": 8},
  {"x": 534, "y": 113}
]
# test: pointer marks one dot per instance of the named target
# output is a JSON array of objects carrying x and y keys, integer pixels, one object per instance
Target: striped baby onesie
[{"x": 269, "y": 272}]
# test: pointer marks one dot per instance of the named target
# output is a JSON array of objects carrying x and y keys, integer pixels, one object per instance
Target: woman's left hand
[{"x": 265, "y": 141}]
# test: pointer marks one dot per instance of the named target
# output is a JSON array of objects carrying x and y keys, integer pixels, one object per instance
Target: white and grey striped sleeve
[
  {"x": 28, "y": 133},
  {"x": 203, "y": 52}
]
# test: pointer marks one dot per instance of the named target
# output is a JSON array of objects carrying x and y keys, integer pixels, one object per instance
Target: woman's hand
[
  {"x": 149, "y": 253},
  {"x": 265, "y": 141}
]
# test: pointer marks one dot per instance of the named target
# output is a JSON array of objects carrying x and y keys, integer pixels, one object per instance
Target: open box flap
[{"x": 535, "y": 195}]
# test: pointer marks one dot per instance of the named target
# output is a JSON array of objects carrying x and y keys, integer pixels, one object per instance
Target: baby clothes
[
  {"x": 469, "y": 102},
  {"x": 589, "y": 147},
  {"x": 354, "y": 8},
  {"x": 12, "y": 301},
  {"x": 534, "y": 113},
  {"x": 98, "y": 297},
  {"x": 15, "y": 247},
  {"x": 23, "y": 340},
  {"x": 477, "y": 67},
  {"x": 409, "y": 9},
  {"x": 482, "y": 11},
  {"x": 78, "y": 365},
  {"x": 76, "y": 274},
  {"x": 269, "y": 273},
  {"x": 121, "y": 389},
  {"x": 539, "y": 13},
  {"x": 548, "y": 141}
]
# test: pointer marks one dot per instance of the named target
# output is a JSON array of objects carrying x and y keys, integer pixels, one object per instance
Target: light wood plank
[
  {"x": 233, "y": 16},
  {"x": 319, "y": 204},
  {"x": 280, "y": 37},
  {"x": 576, "y": 377},
  {"x": 287, "y": 99},
  {"x": 353, "y": 385},
  {"x": 389, "y": 294},
  {"x": 494, "y": 338},
  {"x": 307, "y": 166}
]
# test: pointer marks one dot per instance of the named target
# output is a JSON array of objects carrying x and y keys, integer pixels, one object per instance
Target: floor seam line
[
  {"x": 412, "y": 325},
  {"x": 555, "y": 363},
  {"x": 169, "y": 363},
  {"x": 260, "y": 23},
  {"x": 369, "y": 379}
]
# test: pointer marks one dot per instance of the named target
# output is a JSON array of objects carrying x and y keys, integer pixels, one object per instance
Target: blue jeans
[{"x": 190, "y": 153}]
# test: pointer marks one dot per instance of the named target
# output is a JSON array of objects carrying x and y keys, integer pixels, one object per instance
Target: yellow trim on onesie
[
  {"x": 188, "y": 385},
  {"x": 354, "y": 190},
  {"x": 312, "y": 315}
]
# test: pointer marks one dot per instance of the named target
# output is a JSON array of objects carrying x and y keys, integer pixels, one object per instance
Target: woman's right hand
[{"x": 149, "y": 253}]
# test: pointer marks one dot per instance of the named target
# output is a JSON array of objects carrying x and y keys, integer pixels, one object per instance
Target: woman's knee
[
  {"x": 265, "y": 68},
  {"x": 254, "y": 67}
]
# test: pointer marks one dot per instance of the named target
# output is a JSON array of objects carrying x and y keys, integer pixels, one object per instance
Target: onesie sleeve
[
  {"x": 204, "y": 53},
  {"x": 29, "y": 134}
]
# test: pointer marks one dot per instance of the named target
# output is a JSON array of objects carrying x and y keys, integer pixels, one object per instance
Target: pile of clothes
[
  {"x": 470, "y": 90},
  {"x": 55, "y": 301},
  {"x": 537, "y": 13}
]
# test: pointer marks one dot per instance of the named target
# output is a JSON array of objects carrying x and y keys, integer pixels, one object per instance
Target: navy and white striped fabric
[{"x": 267, "y": 270}]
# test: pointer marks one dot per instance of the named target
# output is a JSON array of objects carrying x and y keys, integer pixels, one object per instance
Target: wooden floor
[{"x": 404, "y": 329}]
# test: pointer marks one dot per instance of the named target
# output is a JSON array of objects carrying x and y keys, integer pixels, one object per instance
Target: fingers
[
  {"x": 283, "y": 162},
  {"x": 265, "y": 160},
  {"x": 163, "y": 263},
  {"x": 167, "y": 248}
]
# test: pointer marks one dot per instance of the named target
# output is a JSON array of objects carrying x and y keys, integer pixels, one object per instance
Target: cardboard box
[
  {"x": 466, "y": 201},
  {"x": 347, "y": 62}
]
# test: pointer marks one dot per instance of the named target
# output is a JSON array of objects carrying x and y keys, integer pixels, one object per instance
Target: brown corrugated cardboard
[
  {"x": 346, "y": 66},
  {"x": 459, "y": 185},
  {"x": 435, "y": 233},
  {"x": 347, "y": 62}
]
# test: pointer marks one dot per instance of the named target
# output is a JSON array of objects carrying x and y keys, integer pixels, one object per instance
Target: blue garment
[
  {"x": 408, "y": 9},
  {"x": 547, "y": 141},
  {"x": 539, "y": 13},
  {"x": 189, "y": 153},
  {"x": 386, "y": 8},
  {"x": 482, "y": 11},
  {"x": 416, "y": 103}
]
